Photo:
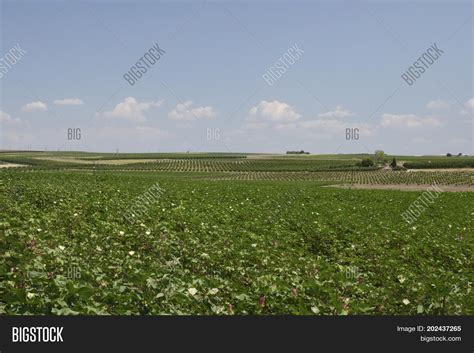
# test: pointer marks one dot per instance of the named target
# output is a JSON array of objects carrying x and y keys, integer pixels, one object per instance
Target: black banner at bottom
[{"x": 277, "y": 333}]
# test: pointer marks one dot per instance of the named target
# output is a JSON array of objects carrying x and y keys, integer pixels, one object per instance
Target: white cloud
[
  {"x": 274, "y": 111},
  {"x": 69, "y": 101},
  {"x": 130, "y": 109},
  {"x": 338, "y": 113},
  {"x": 321, "y": 129},
  {"x": 282, "y": 118},
  {"x": 34, "y": 107},
  {"x": 185, "y": 112},
  {"x": 335, "y": 127},
  {"x": 469, "y": 105},
  {"x": 303, "y": 129},
  {"x": 329, "y": 126},
  {"x": 408, "y": 121},
  {"x": 6, "y": 118},
  {"x": 438, "y": 104}
]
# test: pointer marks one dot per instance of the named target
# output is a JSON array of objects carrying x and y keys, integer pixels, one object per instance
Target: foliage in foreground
[{"x": 227, "y": 247}]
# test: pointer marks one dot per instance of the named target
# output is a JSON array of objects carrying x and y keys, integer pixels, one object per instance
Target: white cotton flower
[
  {"x": 30, "y": 295},
  {"x": 131, "y": 253},
  {"x": 213, "y": 291},
  {"x": 401, "y": 278},
  {"x": 192, "y": 291},
  {"x": 61, "y": 247},
  {"x": 147, "y": 232},
  {"x": 405, "y": 301},
  {"x": 121, "y": 232}
]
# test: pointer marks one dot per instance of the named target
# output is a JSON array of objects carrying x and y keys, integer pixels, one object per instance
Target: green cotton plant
[{"x": 231, "y": 247}]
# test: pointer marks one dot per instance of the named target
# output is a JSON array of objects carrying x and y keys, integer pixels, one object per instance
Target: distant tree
[
  {"x": 394, "y": 163},
  {"x": 448, "y": 154},
  {"x": 297, "y": 152},
  {"x": 379, "y": 155},
  {"x": 367, "y": 162},
  {"x": 459, "y": 154}
]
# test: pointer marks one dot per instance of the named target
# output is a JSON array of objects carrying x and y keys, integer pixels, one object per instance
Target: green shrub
[{"x": 367, "y": 162}]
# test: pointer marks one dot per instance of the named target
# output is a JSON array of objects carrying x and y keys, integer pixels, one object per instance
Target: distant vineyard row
[
  {"x": 454, "y": 163},
  {"x": 200, "y": 164},
  {"x": 374, "y": 177},
  {"x": 380, "y": 177}
]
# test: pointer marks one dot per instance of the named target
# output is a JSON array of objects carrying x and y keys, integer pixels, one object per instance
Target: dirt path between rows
[
  {"x": 402, "y": 187},
  {"x": 11, "y": 165},
  {"x": 442, "y": 170}
]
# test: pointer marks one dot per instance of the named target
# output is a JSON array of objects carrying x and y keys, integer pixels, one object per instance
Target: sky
[{"x": 336, "y": 86}]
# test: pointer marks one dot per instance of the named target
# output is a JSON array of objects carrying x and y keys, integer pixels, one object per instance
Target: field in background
[
  {"x": 331, "y": 169},
  {"x": 231, "y": 234}
]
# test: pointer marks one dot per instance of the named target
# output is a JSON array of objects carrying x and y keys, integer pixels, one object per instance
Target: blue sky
[{"x": 347, "y": 75}]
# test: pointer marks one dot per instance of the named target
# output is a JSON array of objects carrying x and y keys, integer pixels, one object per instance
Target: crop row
[
  {"x": 376, "y": 177},
  {"x": 206, "y": 165},
  {"x": 361, "y": 177},
  {"x": 228, "y": 247},
  {"x": 450, "y": 163},
  {"x": 199, "y": 164}
]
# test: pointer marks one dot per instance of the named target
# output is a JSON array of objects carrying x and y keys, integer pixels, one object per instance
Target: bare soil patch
[
  {"x": 11, "y": 165},
  {"x": 442, "y": 170},
  {"x": 403, "y": 187}
]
